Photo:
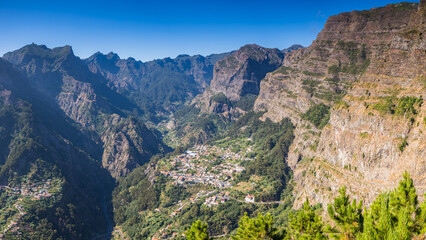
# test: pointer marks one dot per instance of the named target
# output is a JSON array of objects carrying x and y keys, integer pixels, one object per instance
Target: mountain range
[{"x": 84, "y": 143}]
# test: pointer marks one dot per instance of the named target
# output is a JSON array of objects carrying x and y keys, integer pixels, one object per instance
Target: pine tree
[
  {"x": 422, "y": 217},
  {"x": 305, "y": 224},
  {"x": 395, "y": 215},
  {"x": 260, "y": 227},
  {"x": 198, "y": 231},
  {"x": 377, "y": 221},
  {"x": 348, "y": 217},
  {"x": 404, "y": 208}
]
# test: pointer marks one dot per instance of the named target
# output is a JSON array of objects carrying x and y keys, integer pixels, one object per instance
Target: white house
[{"x": 249, "y": 198}]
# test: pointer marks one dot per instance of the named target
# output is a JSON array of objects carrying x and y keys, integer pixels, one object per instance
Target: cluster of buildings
[
  {"x": 198, "y": 166},
  {"x": 38, "y": 191},
  {"x": 222, "y": 197},
  {"x": 34, "y": 191},
  {"x": 165, "y": 233}
]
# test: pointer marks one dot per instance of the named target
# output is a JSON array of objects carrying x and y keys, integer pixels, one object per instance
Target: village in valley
[
  {"x": 17, "y": 199},
  {"x": 207, "y": 165}
]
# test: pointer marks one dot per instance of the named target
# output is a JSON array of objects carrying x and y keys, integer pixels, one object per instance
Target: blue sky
[{"x": 149, "y": 30}]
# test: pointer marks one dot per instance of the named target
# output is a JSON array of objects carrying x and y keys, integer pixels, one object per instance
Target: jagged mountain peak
[
  {"x": 240, "y": 73},
  {"x": 28, "y": 52},
  {"x": 257, "y": 52},
  {"x": 112, "y": 55},
  {"x": 292, "y": 48},
  {"x": 98, "y": 56}
]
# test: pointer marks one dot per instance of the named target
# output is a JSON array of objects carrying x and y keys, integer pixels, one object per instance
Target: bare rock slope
[{"x": 369, "y": 67}]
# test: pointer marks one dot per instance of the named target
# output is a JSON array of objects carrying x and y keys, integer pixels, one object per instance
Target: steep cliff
[
  {"x": 238, "y": 76},
  {"x": 369, "y": 68},
  {"x": 39, "y": 144},
  {"x": 86, "y": 98}
]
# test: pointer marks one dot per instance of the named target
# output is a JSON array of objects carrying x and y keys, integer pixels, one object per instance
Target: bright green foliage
[
  {"x": 305, "y": 224},
  {"x": 404, "y": 207},
  {"x": 395, "y": 215},
  {"x": 402, "y": 145},
  {"x": 392, "y": 216},
  {"x": 198, "y": 231},
  {"x": 399, "y": 106},
  {"x": 422, "y": 217},
  {"x": 318, "y": 114},
  {"x": 378, "y": 220},
  {"x": 260, "y": 227},
  {"x": 348, "y": 217},
  {"x": 407, "y": 105}
]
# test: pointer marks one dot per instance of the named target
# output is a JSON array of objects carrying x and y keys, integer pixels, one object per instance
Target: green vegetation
[
  {"x": 330, "y": 96},
  {"x": 30, "y": 155},
  {"x": 260, "y": 227},
  {"x": 198, "y": 231},
  {"x": 163, "y": 90},
  {"x": 272, "y": 141},
  {"x": 422, "y": 79},
  {"x": 305, "y": 224},
  {"x": 364, "y": 134},
  {"x": 399, "y": 106},
  {"x": 220, "y": 98},
  {"x": 196, "y": 127},
  {"x": 348, "y": 217},
  {"x": 309, "y": 85},
  {"x": 341, "y": 105},
  {"x": 403, "y": 144},
  {"x": 357, "y": 56},
  {"x": 312, "y": 74},
  {"x": 284, "y": 70},
  {"x": 136, "y": 198},
  {"x": 407, "y": 105},
  {"x": 350, "y": 68},
  {"x": 351, "y": 50},
  {"x": 334, "y": 69},
  {"x": 246, "y": 102},
  {"x": 411, "y": 34},
  {"x": 393, "y": 215},
  {"x": 318, "y": 114},
  {"x": 403, "y": 6}
]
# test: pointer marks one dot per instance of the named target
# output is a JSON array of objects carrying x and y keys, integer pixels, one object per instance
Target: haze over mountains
[{"x": 85, "y": 143}]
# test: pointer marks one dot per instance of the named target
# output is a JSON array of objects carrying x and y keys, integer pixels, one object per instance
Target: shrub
[
  {"x": 220, "y": 98},
  {"x": 318, "y": 114},
  {"x": 402, "y": 145}
]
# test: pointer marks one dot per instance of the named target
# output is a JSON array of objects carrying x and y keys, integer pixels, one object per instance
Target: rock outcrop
[
  {"x": 86, "y": 99},
  {"x": 366, "y": 65},
  {"x": 239, "y": 75}
]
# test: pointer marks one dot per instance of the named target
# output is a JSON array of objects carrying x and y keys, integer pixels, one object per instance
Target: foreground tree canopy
[{"x": 394, "y": 215}]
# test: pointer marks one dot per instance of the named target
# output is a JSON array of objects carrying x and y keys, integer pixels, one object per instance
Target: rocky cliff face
[
  {"x": 124, "y": 142},
  {"x": 86, "y": 99},
  {"x": 238, "y": 75},
  {"x": 369, "y": 66}
]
